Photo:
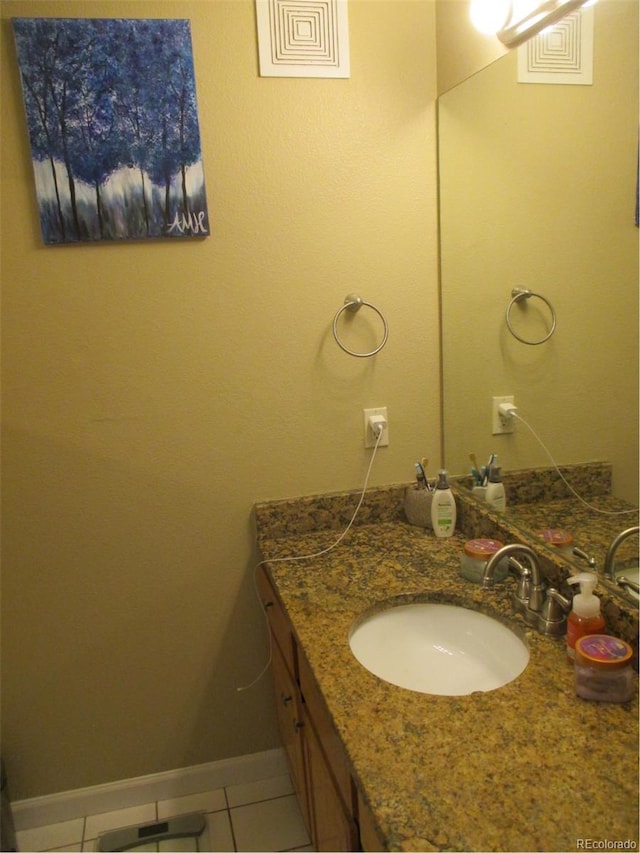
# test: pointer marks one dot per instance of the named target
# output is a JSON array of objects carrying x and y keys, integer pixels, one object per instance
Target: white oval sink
[{"x": 438, "y": 648}]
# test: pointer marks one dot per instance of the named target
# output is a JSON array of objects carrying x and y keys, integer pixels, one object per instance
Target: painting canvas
[{"x": 113, "y": 125}]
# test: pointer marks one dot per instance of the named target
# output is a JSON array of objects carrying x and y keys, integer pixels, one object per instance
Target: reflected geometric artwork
[
  {"x": 113, "y": 125},
  {"x": 303, "y": 38},
  {"x": 563, "y": 53}
]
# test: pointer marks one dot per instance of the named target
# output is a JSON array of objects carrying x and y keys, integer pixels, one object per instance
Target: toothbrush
[
  {"x": 492, "y": 459},
  {"x": 421, "y": 477},
  {"x": 425, "y": 465},
  {"x": 475, "y": 471}
]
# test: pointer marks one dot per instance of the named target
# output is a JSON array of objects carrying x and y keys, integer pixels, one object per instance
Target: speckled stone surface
[
  {"x": 527, "y": 767},
  {"x": 592, "y": 532}
]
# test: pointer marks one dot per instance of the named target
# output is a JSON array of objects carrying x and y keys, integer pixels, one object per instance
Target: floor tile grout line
[
  {"x": 229, "y": 819},
  {"x": 263, "y": 800},
  {"x": 157, "y": 812}
]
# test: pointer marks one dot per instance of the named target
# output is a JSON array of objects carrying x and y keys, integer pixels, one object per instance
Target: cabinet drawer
[
  {"x": 331, "y": 743},
  {"x": 290, "y": 724},
  {"x": 278, "y": 621}
]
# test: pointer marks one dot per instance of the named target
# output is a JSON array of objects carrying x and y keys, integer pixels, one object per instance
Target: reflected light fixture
[{"x": 515, "y": 21}]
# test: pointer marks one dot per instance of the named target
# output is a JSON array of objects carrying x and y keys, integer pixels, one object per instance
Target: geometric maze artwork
[
  {"x": 303, "y": 38},
  {"x": 562, "y": 53}
]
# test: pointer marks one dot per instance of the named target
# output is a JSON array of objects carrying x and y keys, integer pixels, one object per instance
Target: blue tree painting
[{"x": 113, "y": 125}]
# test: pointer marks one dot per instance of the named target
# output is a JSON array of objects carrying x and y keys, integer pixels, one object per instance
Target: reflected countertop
[{"x": 537, "y": 499}]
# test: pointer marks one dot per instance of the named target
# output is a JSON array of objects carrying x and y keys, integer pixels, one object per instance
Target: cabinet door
[
  {"x": 290, "y": 724},
  {"x": 331, "y": 827},
  {"x": 329, "y": 740}
]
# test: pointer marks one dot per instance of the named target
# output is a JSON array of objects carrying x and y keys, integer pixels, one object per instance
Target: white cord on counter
[{"x": 306, "y": 557}]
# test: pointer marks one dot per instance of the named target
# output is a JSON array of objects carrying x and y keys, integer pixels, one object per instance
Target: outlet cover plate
[
  {"x": 369, "y": 437},
  {"x": 498, "y": 425}
]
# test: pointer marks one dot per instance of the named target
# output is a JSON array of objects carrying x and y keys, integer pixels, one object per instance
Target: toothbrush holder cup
[{"x": 417, "y": 506}]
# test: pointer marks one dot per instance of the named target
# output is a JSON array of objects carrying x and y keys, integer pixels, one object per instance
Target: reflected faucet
[{"x": 609, "y": 562}]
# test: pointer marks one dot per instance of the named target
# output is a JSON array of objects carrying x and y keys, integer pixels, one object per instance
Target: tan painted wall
[{"x": 154, "y": 392}]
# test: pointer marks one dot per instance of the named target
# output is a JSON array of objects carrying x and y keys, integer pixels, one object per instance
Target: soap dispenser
[
  {"x": 585, "y": 617},
  {"x": 443, "y": 508}
]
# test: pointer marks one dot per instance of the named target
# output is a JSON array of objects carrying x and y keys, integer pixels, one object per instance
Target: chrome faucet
[
  {"x": 541, "y": 608},
  {"x": 535, "y": 591},
  {"x": 609, "y": 560}
]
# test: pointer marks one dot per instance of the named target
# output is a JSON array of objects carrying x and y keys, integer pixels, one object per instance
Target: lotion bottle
[
  {"x": 585, "y": 617},
  {"x": 495, "y": 495},
  {"x": 443, "y": 508}
]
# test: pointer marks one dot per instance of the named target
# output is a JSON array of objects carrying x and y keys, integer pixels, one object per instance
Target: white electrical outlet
[
  {"x": 369, "y": 437},
  {"x": 500, "y": 423}
]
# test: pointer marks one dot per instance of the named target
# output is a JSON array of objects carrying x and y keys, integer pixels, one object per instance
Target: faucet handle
[
  {"x": 591, "y": 561},
  {"x": 553, "y": 618},
  {"x": 625, "y": 582},
  {"x": 555, "y": 606}
]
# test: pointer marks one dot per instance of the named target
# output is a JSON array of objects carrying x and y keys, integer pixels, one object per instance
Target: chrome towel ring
[
  {"x": 353, "y": 304},
  {"x": 519, "y": 295}
]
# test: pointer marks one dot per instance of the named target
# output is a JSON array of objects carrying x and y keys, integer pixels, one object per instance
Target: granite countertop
[{"x": 527, "y": 767}]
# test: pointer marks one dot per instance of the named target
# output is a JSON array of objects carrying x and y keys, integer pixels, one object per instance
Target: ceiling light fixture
[{"x": 515, "y": 21}]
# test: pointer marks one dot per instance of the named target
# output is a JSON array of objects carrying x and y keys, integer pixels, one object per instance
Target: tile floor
[{"x": 257, "y": 816}]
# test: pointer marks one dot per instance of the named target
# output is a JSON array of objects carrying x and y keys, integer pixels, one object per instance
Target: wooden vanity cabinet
[
  {"x": 369, "y": 838},
  {"x": 331, "y": 827},
  {"x": 318, "y": 765}
]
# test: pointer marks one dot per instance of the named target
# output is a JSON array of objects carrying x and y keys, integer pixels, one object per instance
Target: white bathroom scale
[{"x": 182, "y": 826}]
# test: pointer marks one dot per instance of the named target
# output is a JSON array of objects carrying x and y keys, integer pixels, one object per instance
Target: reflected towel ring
[
  {"x": 519, "y": 294},
  {"x": 354, "y": 303}
]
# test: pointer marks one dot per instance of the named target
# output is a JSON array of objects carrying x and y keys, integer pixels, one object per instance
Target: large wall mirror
[{"x": 538, "y": 190}]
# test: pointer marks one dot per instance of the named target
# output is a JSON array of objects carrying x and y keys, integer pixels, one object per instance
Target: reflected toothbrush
[
  {"x": 492, "y": 459},
  {"x": 475, "y": 470}
]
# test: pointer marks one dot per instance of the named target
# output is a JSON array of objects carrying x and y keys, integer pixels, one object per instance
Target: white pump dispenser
[
  {"x": 585, "y": 603},
  {"x": 443, "y": 508},
  {"x": 495, "y": 494}
]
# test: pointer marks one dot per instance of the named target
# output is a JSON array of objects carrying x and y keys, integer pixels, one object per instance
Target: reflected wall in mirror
[{"x": 538, "y": 188}]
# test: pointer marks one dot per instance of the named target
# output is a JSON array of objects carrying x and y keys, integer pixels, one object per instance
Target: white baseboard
[{"x": 67, "y": 805}]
